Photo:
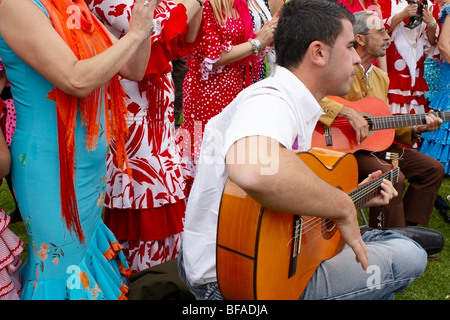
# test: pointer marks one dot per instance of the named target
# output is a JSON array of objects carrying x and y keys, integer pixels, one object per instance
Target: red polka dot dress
[{"x": 207, "y": 89}]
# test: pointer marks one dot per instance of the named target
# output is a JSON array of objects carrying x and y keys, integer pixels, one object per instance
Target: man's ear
[
  {"x": 360, "y": 39},
  {"x": 319, "y": 53}
]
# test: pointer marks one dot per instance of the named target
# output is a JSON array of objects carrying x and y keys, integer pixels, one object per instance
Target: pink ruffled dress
[{"x": 11, "y": 248}]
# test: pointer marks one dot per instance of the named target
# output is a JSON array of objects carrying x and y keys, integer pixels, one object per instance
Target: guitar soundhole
[{"x": 328, "y": 229}]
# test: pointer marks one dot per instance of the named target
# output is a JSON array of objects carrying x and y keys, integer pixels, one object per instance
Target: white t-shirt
[{"x": 279, "y": 107}]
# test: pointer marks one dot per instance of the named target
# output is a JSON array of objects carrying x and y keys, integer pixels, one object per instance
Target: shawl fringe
[{"x": 76, "y": 25}]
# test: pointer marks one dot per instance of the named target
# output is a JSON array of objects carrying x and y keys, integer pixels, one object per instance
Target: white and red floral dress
[{"x": 146, "y": 212}]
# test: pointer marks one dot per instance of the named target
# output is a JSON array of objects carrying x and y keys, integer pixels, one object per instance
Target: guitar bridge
[{"x": 296, "y": 244}]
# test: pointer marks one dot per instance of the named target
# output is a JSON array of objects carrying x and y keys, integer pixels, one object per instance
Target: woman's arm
[
  {"x": 431, "y": 24},
  {"x": 444, "y": 41},
  {"x": 408, "y": 12},
  {"x": 5, "y": 157},
  {"x": 2, "y": 80},
  {"x": 30, "y": 34},
  {"x": 194, "y": 14},
  {"x": 243, "y": 50}
]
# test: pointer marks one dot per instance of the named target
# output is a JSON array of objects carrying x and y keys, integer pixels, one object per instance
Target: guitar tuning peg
[{"x": 393, "y": 156}]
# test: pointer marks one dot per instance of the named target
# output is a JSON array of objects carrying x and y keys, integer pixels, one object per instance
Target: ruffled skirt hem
[
  {"x": 101, "y": 275},
  {"x": 11, "y": 248},
  {"x": 146, "y": 254},
  {"x": 128, "y": 224},
  {"x": 436, "y": 144}
]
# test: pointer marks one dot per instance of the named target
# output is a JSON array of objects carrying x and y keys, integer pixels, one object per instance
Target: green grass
[{"x": 434, "y": 284}]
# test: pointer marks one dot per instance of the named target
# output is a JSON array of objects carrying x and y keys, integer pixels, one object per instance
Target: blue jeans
[{"x": 394, "y": 262}]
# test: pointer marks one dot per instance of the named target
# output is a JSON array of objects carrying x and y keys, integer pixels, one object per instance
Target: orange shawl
[{"x": 86, "y": 38}]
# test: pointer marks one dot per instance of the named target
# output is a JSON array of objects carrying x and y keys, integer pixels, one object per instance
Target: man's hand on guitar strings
[
  {"x": 357, "y": 121},
  {"x": 387, "y": 191},
  {"x": 433, "y": 122}
]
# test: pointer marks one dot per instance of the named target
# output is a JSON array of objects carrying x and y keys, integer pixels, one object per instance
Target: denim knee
[{"x": 410, "y": 258}]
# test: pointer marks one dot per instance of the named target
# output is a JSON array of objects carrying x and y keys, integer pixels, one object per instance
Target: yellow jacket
[{"x": 378, "y": 87}]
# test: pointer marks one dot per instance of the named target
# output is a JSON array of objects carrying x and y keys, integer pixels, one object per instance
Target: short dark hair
[{"x": 304, "y": 21}]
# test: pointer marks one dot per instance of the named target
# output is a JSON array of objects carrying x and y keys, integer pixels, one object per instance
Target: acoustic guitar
[
  {"x": 268, "y": 255},
  {"x": 341, "y": 136}
]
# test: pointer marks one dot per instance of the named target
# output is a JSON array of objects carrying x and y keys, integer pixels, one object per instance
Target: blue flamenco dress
[
  {"x": 58, "y": 265},
  {"x": 436, "y": 143}
]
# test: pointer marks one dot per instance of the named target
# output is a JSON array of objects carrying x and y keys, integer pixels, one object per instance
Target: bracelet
[
  {"x": 200, "y": 2},
  {"x": 256, "y": 46},
  {"x": 432, "y": 24}
]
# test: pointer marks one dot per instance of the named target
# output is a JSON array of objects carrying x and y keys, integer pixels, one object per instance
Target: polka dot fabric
[{"x": 208, "y": 89}]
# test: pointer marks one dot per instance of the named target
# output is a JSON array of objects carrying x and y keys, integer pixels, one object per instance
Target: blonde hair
[{"x": 221, "y": 9}]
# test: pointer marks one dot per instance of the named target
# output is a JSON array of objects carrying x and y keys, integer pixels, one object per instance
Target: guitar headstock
[
  {"x": 393, "y": 174},
  {"x": 393, "y": 156}
]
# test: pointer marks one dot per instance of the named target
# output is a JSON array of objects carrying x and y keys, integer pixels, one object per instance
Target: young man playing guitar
[
  {"x": 315, "y": 57},
  {"x": 423, "y": 173}
]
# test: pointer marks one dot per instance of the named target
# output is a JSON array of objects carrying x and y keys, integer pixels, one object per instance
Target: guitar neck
[
  {"x": 404, "y": 120},
  {"x": 369, "y": 190}
]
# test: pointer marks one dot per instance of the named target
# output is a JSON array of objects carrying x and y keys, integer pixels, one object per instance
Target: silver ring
[{"x": 146, "y": 3}]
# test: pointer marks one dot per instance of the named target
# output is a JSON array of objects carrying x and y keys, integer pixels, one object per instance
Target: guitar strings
[
  {"x": 373, "y": 185},
  {"x": 314, "y": 221},
  {"x": 364, "y": 190},
  {"x": 359, "y": 193},
  {"x": 387, "y": 122},
  {"x": 308, "y": 226}
]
